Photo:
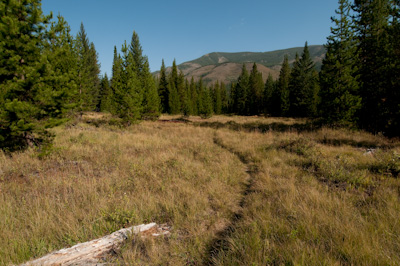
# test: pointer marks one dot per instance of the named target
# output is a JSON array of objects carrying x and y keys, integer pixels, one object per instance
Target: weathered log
[{"x": 94, "y": 252}]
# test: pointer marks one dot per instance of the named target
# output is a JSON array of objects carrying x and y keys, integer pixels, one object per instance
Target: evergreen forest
[{"x": 48, "y": 75}]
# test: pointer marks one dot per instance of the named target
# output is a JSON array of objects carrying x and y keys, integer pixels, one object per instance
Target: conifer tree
[
  {"x": 374, "y": 19},
  {"x": 117, "y": 83},
  {"x": 132, "y": 88},
  {"x": 272, "y": 97},
  {"x": 224, "y": 98},
  {"x": 107, "y": 96},
  {"x": 256, "y": 88},
  {"x": 151, "y": 101},
  {"x": 32, "y": 96},
  {"x": 217, "y": 98},
  {"x": 283, "y": 87},
  {"x": 338, "y": 78},
  {"x": 303, "y": 86},
  {"x": 205, "y": 101},
  {"x": 174, "y": 103},
  {"x": 88, "y": 72},
  {"x": 241, "y": 93},
  {"x": 194, "y": 96},
  {"x": 173, "y": 82},
  {"x": 163, "y": 90},
  {"x": 138, "y": 59},
  {"x": 188, "y": 104}
]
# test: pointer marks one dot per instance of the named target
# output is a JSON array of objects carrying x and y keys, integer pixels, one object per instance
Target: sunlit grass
[{"x": 274, "y": 191}]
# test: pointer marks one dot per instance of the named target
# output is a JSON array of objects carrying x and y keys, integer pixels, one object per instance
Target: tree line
[{"x": 46, "y": 75}]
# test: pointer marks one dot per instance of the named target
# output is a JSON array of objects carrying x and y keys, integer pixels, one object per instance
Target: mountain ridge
[{"x": 226, "y": 67}]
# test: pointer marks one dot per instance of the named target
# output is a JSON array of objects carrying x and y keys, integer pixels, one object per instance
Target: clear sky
[{"x": 188, "y": 29}]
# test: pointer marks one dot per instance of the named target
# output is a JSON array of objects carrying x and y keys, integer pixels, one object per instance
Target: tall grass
[{"x": 269, "y": 191}]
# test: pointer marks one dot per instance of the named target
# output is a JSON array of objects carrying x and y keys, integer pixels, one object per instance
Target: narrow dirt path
[{"x": 221, "y": 240}]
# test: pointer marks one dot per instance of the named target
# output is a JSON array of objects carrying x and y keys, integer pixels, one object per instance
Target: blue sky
[{"x": 187, "y": 29}]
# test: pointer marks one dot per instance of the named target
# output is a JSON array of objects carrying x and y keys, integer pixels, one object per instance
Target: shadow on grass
[{"x": 260, "y": 127}]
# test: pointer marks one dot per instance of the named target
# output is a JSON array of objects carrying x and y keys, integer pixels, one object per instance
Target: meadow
[{"x": 234, "y": 190}]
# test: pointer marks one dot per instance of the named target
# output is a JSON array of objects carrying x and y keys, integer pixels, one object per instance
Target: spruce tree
[
  {"x": 255, "y": 94},
  {"x": 241, "y": 93},
  {"x": 151, "y": 101},
  {"x": 32, "y": 95},
  {"x": 107, "y": 96},
  {"x": 217, "y": 98},
  {"x": 303, "y": 86},
  {"x": 194, "y": 96},
  {"x": 173, "y": 82},
  {"x": 205, "y": 101},
  {"x": 132, "y": 88},
  {"x": 339, "y": 81},
  {"x": 88, "y": 72},
  {"x": 224, "y": 98},
  {"x": 271, "y": 97},
  {"x": 163, "y": 90},
  {"x": 377, "y": 61},
  {"x": 174, "y": 103},
  {"x": 283, "y": 87}
]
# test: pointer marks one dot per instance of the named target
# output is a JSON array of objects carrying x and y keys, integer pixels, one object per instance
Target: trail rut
[{"x": 221, "y": 240}]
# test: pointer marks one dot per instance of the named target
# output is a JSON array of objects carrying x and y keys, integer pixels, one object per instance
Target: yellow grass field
[{"x": 235, "y": 191}]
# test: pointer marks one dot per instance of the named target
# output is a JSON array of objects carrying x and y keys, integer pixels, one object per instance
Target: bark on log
[{"x": 94, "y": 252}]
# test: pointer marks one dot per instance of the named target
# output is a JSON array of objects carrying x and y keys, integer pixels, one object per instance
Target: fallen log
[{"x": 94, "y": 252}]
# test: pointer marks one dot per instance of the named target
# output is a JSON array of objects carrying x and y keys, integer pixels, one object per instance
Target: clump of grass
[{"x": 387, "y": 163}]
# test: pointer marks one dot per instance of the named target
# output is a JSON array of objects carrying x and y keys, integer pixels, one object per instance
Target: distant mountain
[{"x": 227, "y": 67}]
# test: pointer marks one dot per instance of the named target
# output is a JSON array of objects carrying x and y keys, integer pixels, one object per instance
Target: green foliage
[
  {"x": 339, "y": 81},
  {"x": 303, "y": 86},
  {"x": 107, "y": 96},
  {"x": 88, "y": 73},
  {"x": 240, "y": 93},
  {"x": 271, "y": 97},
  {"x": 36, "y": 74},
  {"x": 256, "y": 88},
  {"x": 163, "y": 90},
  {"x": 375, "y": 23},
  {"x": 151, "y": 101},
  {"x": 283, "y": 87},
  {"x": 217, "y": 98}
]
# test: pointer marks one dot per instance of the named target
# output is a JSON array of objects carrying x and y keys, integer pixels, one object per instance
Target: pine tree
[
  {"x": 272, "y": 97},
  {"x": 163, "y": 90},
  {"x": 224, "y": 98},
  {"x": 217, "y": 98},
  {"x": 241, "y": 93},
  {"x": 107, "y": 96},
  {"x": 174, "y": 103},
  {"x": 303, "y": 86},
  {"x": 117, "y": 83},
  {"x": 32, "y": 95},
  {"x": 132, "y": 88},
  {"x": 138, "y": 60},
  {"x": 338, "y": 78},
  {"x": 88, "y": 72},
  {"x": 256, "y": 88},
  {"x": 151, "y": 102},
  {"x": 283, "y": 87},
  {"x": 194, "y": 97},
  {"x": 205, "y": 101},
  {"x": 173, "y": 82},
  {"x": 377, "y": 59}
]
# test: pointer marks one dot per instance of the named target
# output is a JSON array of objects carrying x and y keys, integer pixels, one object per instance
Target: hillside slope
[{"x": 227, "y": 67}]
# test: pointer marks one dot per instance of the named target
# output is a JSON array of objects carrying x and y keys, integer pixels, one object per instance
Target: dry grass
[
  {"x": 266, "y": 197},
  {"x": 98, "y": 180}
]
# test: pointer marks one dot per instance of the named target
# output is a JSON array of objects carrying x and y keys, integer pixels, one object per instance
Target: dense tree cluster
[{"x": 46, "y": 73}]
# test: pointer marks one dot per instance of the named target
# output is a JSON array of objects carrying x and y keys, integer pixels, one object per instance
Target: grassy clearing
[
  {"x": 236, "y": 191},
  {"x": 99, "y": 179}
]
